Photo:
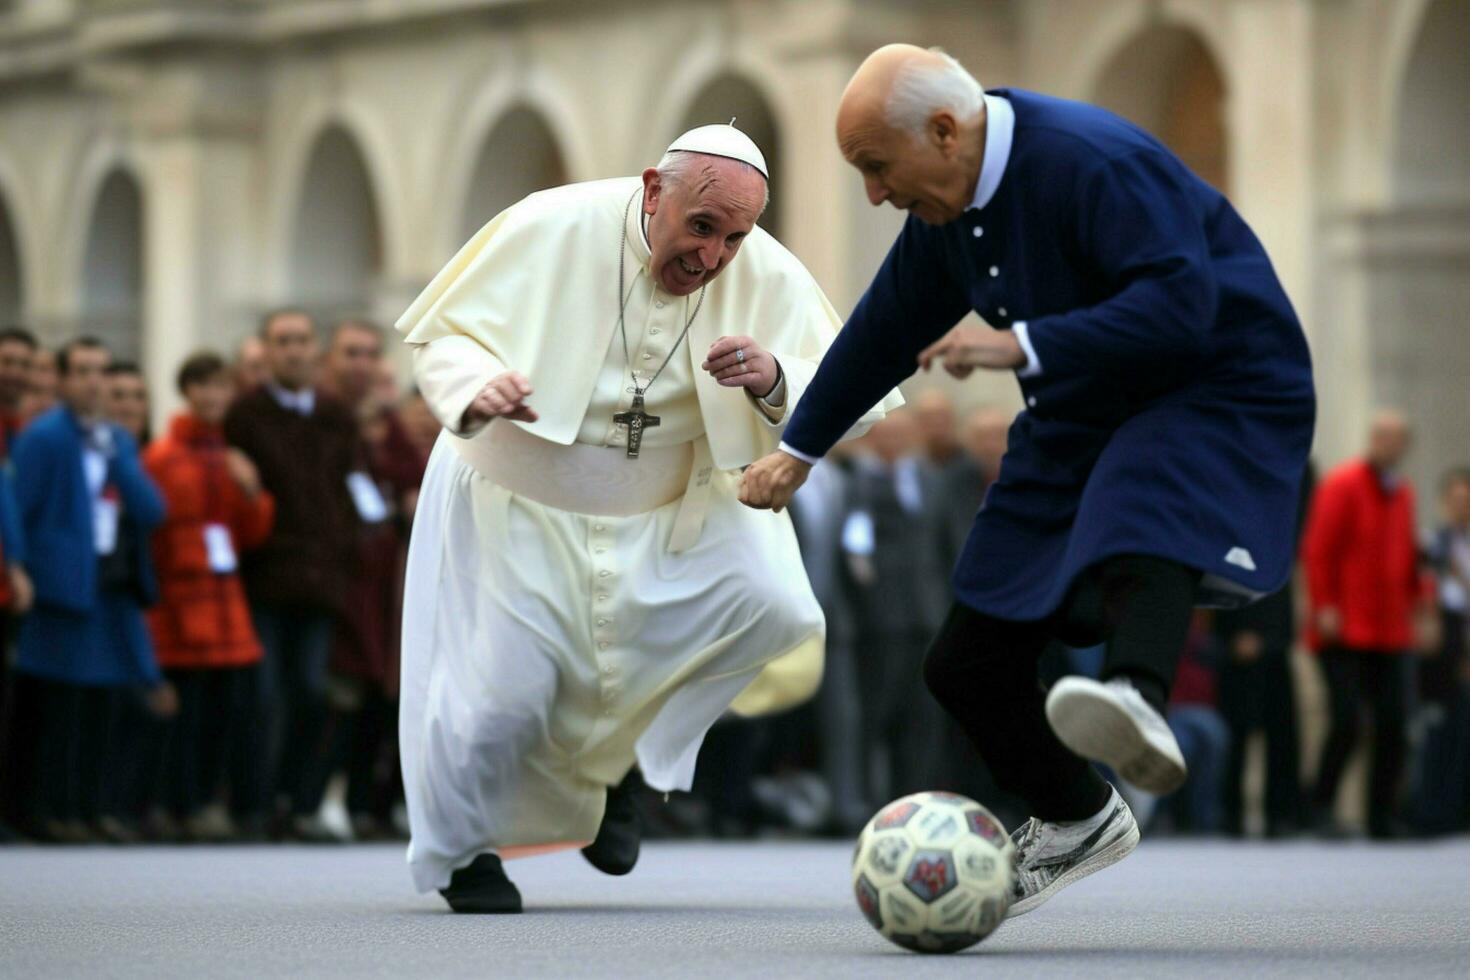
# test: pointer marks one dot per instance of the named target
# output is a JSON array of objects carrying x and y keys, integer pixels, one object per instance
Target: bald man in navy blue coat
[{"x": 1155, "y": 468}]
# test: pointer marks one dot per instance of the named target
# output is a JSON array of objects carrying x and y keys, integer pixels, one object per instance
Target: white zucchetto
[{"x": 722, "y": 140}]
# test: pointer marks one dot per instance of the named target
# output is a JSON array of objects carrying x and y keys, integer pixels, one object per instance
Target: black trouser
[
  {"x": 1259, "y": 696},
  {"x": 214, "y": 706},
  {"x": 983, "y": 671},
  {"x": 74, "y": 754},
  {"x": 1380, "y": 679},
  {"x": 374, "y": 782}
]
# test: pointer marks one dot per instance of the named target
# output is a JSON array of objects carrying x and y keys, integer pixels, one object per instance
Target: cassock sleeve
[
  {"x": 1141, "y": 232},
  {"x": 450, "y": 372},
  {"x": 910, "y": 304}
]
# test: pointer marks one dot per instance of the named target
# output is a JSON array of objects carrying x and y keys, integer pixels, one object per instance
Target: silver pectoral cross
[{"x": 636, "y": 419}]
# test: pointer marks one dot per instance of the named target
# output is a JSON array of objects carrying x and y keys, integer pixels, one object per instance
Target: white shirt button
[
  {"x": 602, "y": 622},
  {"x": 994, "y": 271},
  {"x": 601, "y": 550},
  {"x": 602, "y": 645},
  {"x": 1031, "y": 401},
  {"x": 599, "y": 527},
  {"x": 647, "y": 357},
  {"x": 1002, "y": 311},
  {"x": 659, "y": 304},
  {"x": 602, "y": 598},
  {"x": 604, "y": 573},
  {"x": 607, "y": 669},
  {"x": 653, "y": 329}
]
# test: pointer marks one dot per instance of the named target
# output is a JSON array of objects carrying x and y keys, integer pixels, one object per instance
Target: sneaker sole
[
  {"x": 1108, "y": 856},
  {"x": 1096, "y": 727}
]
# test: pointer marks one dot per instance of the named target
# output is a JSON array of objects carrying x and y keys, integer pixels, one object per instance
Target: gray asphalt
[{"x": 696, "y": 910}]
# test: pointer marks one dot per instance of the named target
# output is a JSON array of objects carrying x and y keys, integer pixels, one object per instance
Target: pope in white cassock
[{"x": 584, "y": 591}]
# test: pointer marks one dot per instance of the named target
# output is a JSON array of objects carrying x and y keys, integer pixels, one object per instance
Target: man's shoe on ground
[
  {"x": 615, "y": 851},
  {"x": 482, "y": 888},
  {"x": 1051, "y": 856},
  {"x": 1111, "y": 723}
]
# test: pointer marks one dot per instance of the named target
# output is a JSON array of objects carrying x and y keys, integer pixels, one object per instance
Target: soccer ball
[{"x": 933, "y": 872}]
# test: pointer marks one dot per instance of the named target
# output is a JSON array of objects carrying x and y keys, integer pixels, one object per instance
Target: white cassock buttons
[
  {"x": 977, "y": 231},
  {"x": 994, "y": 271},
  {"x": 1031, "y": 401},
  {"x": 1002, "y": 311}
]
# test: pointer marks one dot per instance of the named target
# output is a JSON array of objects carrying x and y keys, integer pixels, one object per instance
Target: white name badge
[
  {"x": 858, "y": 537},
  {"x": 105, "y": 514},
  {"x": 220, "y": 547},
  {"x": 371, "y": 506}
]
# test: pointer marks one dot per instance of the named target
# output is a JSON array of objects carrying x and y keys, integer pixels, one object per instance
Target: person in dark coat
[
  {"x": 1257, "y": 693},
  {"x": 1169, "y": 411},
  {"x": 365, "y": 654},
  {"x": 306, "y": 448},
  {"x": 87, "y": 508},
  {"x": 893, "y": 545}
]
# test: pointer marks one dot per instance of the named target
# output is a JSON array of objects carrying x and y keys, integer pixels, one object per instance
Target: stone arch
[
  {"x": 1430, "y": 163},
  {"x": 1416, "y": 252},
  {"x": 518, "y": 156},
  {"x": 728, "y": 95},
  {"x": 1166, "y": 79},
  {"x": 336, "y": 245},
  {"x": 112, "y": 266}
]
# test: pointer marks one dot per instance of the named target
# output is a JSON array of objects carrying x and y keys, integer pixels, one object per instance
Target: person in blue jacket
[
  {"x": 86, "y": 508},
  {"x": 1169, "y": 411}
]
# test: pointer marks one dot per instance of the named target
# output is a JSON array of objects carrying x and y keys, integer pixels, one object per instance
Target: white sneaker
[
  {"x": 1111, "y": 723},
  {"x": 1051, "y": 856}
]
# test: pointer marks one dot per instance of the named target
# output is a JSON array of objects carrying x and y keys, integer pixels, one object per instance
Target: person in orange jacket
[{"x": 202, "y": 630}]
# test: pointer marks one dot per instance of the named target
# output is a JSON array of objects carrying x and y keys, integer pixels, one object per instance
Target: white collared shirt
[
  {"x": 303, "y": 401},
  {"x": 1000, "y": 133}
]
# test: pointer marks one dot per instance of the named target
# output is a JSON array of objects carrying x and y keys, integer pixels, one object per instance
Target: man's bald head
[
  {"x": 912, "y": 121},
  {"x": 1389, "y": 435}
]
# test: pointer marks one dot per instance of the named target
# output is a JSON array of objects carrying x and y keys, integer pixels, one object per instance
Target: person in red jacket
[
  {"x": 202, "y": 631},
  {"x": 1361, "y": 560}
]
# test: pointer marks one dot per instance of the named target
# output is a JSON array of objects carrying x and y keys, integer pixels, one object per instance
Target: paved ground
[{"x": 695, "y": 910}]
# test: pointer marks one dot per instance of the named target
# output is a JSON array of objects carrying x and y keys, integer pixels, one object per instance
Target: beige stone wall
[{"x": 217, "y": 108}]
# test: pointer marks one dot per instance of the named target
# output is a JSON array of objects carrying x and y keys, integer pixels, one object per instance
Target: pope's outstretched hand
[
  {"x": 770, "y": 482},
  {"x": 504, "y": 396}
]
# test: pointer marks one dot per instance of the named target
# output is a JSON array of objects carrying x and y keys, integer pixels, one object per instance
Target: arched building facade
[{"x": 192, "y": 165}]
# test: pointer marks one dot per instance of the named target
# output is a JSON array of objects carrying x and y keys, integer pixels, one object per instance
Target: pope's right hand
[
  {"x": 770, "y": 482},
  {"x": 503, "y": 397}
]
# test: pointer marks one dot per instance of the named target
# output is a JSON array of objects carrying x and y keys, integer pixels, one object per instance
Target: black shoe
[
  {"x": 615, "y": 850},
  {"x": 482, "y": 888}
]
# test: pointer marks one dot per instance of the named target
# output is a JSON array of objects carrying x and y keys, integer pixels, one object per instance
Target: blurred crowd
[{"x": 201, "y": 624}]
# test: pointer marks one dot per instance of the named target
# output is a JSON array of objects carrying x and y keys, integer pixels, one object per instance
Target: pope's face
[
  {"x": 697, "y": 222},
  {"x": 923, "y": 174}
]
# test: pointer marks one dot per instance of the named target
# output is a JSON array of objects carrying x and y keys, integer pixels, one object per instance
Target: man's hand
[
  {"x": 757, "y": 371},
  {"x": 1247, "y": 647},
  {"x": 1329, "y": 624},
  {"x": 503, "y": 397},
  {"x": 770, "y": 482},
  {"x": 243, "y": 472},
  {"x": 163, "y": 701},
  {"x": 968, "y": 347},
  {"x": 22, "y": 592}
]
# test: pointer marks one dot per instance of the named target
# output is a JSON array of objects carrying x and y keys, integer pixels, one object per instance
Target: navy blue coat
[
  {"x": 1174, "y": 410},
  {"x": 77, "y": 632}
]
